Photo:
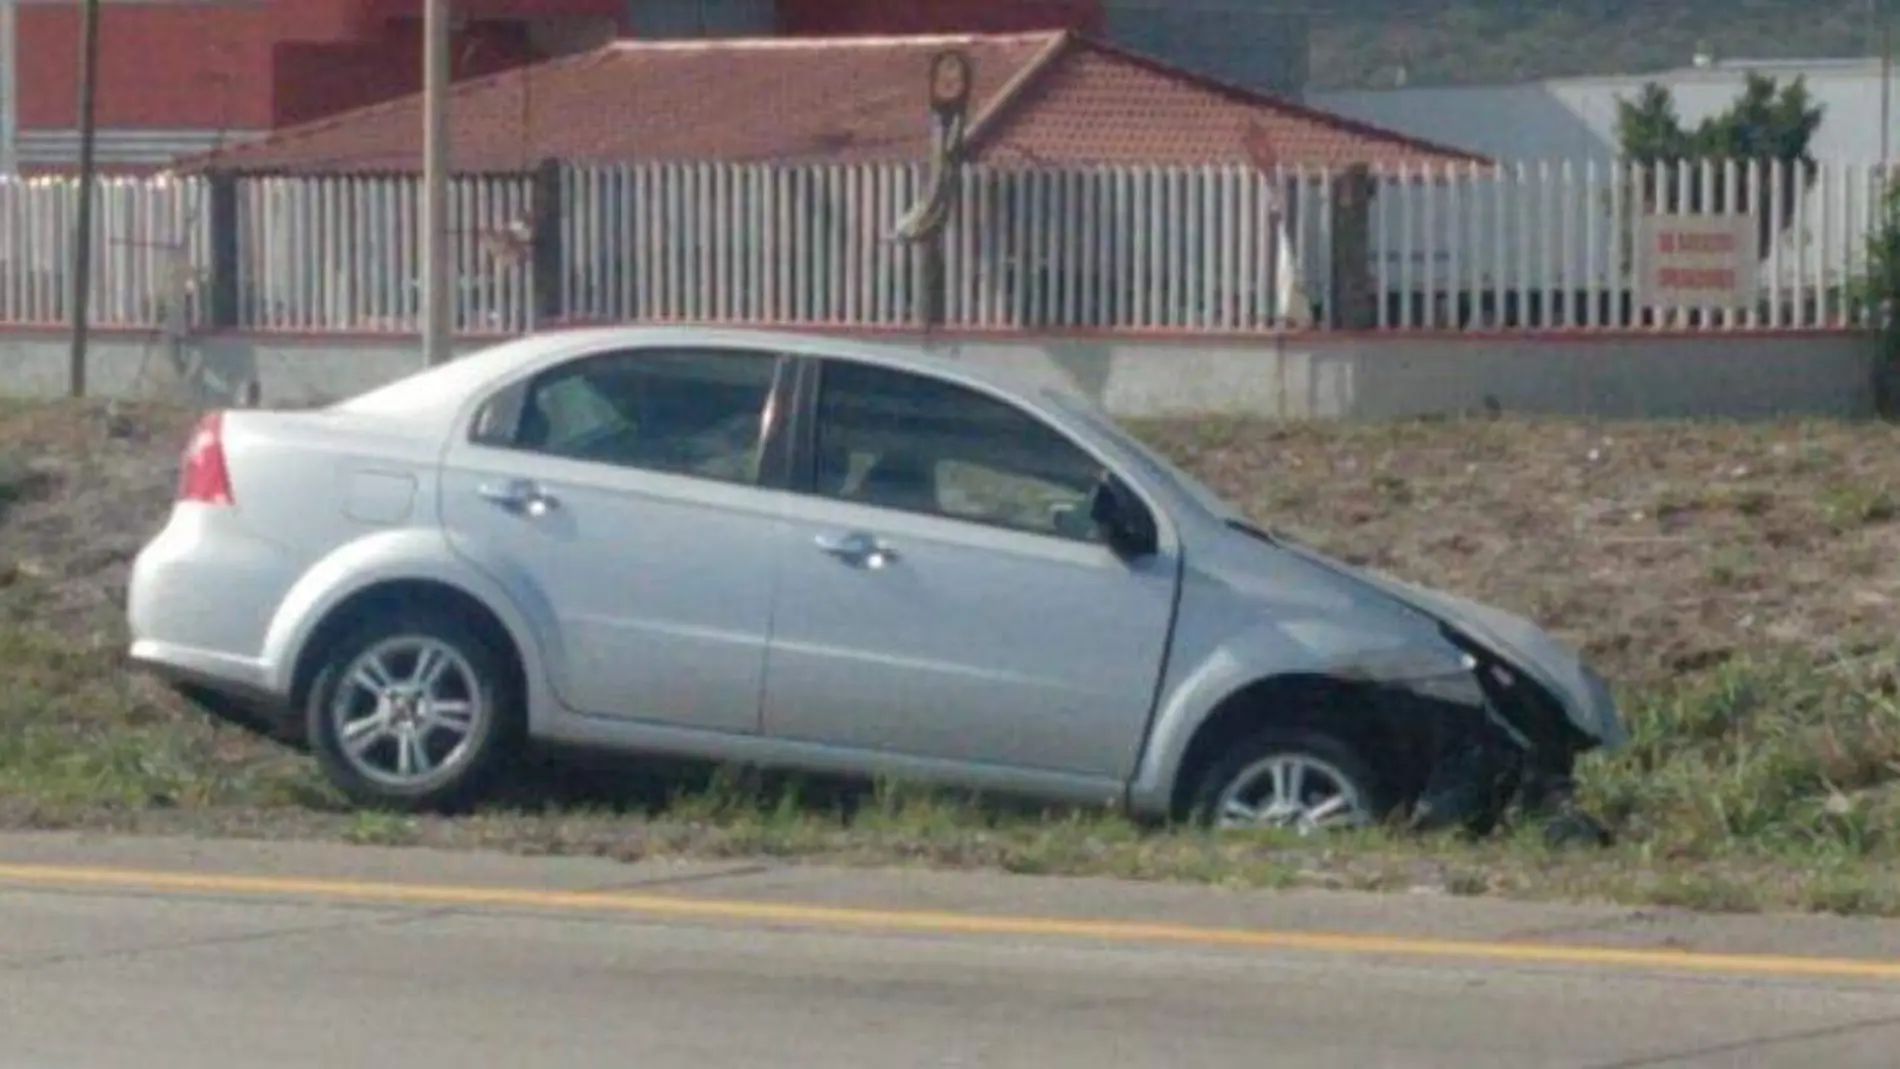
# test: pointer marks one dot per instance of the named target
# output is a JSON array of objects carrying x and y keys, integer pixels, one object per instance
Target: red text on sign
[{"x": 1696, "y": 278}]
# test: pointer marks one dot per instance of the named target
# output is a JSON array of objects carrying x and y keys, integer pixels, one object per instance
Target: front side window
[
  {"x": 694, "y": 412},
  {"x": 898, "y": 440},
  {"x": 1157, "y": 465}
]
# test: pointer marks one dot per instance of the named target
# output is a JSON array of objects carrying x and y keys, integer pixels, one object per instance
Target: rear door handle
[
  {"x": 519, "y": 495},
  {"x": 857, "y": 547}
]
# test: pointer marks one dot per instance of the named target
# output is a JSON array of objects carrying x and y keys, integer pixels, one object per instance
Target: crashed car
[{"x": 802, "y": 552}]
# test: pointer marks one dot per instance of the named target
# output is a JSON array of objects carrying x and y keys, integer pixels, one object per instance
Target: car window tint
[
  {"x": 899, "y": 440},
  {"x": 696, "y": 412}
]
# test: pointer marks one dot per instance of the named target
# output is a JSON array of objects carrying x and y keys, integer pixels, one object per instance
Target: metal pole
[
  {"x": 10, "y": 87},
  {"x": 82, "y": 222},
  {"x": 435, "y": 182},
  {"x": 1886, "y": 83}
]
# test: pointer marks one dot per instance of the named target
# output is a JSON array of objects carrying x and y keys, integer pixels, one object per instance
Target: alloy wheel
[
  {"x": 406, "y": 711},
  {"x": 1291, "y": 791}
]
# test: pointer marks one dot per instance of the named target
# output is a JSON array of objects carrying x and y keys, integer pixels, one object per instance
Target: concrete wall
[{"x": 1341, "y": 376}]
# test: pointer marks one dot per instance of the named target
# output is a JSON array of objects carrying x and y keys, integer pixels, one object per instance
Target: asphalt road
[{"x": 251, "y": 958}]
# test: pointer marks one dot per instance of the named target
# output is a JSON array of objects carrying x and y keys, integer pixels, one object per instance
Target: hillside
[{"x": 1364, "y": 43}]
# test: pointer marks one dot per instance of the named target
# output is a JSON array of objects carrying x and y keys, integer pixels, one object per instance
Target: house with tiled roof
[
  {"x": 1058, "y": 98},
  {"x": 778, "y": 179}
]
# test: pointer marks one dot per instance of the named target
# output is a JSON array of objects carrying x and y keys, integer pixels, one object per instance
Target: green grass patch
[{"x": 1756, "y": 786}]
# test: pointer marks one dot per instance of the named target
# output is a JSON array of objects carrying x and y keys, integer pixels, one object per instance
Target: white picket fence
[
  {"x": 345, "y": 254},
  {"x": 151, "y": 238},
  {"x": 1144, "y": 249},
  {"x": 1104, "y": 248},
  {"x": 1554, "y": 244}
]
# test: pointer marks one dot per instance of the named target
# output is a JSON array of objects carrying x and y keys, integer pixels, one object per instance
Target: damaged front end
[
  {"x": 1507, "y": 728},
  {"x": 1504, "y": 740}
]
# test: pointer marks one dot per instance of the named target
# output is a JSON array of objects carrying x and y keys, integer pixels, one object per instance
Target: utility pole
[
  {"x": 88, "y": 171},
  {"x": 10, "y": 87},
  {"x": 435, "y": 182},
  {"x": 1879, "y": 10}
]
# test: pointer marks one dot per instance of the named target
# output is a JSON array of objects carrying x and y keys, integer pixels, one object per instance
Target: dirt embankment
[
  {"x": 1660, "y": 548},
  {"x": 81, "y": 487}
]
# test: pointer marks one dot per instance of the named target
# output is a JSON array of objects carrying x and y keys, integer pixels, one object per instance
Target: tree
[
  {"x": 1878, "y": 296},
  {"x": 1766, "y": 132},
  {"x": 1648, "y": 128}
]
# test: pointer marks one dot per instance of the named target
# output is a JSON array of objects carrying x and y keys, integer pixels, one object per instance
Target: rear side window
[
  {"x": 694, "y": 412},
  {"x": 899, "y": 440}
]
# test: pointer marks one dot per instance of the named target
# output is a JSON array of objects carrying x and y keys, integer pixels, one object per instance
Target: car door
[
  {"x": 942, "y": 594},
  {"x": 620, "y": 496}
]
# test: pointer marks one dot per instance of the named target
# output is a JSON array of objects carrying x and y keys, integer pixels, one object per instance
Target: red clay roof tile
[
  {"x": 1038, "y": 98},
  {"x": 1101, "y": 104}
]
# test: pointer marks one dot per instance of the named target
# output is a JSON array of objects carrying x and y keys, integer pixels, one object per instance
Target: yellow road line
[{"x": 939, "y": 922}]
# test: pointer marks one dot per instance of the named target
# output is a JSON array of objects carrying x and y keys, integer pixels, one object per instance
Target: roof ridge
[
  {"x": 459, "y": 90},
  {"x": 1025, "y": 74},
  {"x": 1012, "y": 91},
  {"x": 1260, "y": 98},
  {"x": 775, "y": 43}
]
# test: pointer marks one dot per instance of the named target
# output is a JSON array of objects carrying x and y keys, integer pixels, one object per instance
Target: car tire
[
  {"x": 472, "y": 705},
  {"x": 1242, "y": 780}
]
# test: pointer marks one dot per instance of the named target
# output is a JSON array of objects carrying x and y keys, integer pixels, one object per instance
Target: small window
[
  {"x": 897, "y": 440},
  {"x": 695, "y": 412},
  {"x": 498, "y": 417}
]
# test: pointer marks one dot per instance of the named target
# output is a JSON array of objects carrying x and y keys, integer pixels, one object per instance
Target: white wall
[{"x": 1575, "y": 118}]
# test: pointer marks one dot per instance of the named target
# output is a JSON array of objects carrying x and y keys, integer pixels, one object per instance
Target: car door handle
[
  {"x": 518, "y": 495},
  {"x": 857, "y": 547}
]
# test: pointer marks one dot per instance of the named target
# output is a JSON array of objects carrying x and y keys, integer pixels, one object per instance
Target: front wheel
[
  {"x": 1294, "y": 780},
  {"x": 413, "y": 711}
]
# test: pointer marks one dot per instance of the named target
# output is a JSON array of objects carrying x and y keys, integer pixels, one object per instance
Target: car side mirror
[{"x": 1123, "y": 518}]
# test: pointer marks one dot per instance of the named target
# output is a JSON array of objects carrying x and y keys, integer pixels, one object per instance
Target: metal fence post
[
  {"x": 1353, "y": 297},
  {"x": 550, "y": 212},
  {"x": 221, "y": 309}
]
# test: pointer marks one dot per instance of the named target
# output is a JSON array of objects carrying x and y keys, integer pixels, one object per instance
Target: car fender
[
  {"x": 1310, "y": 648},
  {"x": 410, "y": 554}
]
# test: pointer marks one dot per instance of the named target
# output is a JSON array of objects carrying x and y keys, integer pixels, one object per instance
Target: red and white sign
[{"x": 1698, "y": 261}]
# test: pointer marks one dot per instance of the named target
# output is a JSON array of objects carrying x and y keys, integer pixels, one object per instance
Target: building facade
[
  {"x": 185, "y": 76},
  {"x": 1574, "y": 119}
]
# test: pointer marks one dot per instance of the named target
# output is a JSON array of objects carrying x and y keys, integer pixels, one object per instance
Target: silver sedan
[{"x": 810, "y": 553}]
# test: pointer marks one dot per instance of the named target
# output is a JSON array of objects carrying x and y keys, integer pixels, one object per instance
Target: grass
[{"x": 1737, "y": 582}]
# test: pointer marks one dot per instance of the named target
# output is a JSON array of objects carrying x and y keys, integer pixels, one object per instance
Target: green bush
[{"x": 1880, "y": 290}]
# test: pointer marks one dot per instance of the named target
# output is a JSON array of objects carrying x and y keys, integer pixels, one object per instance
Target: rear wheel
[
  {"x": 1291, "y": 779},
  {"x": 413, "y": 710}
]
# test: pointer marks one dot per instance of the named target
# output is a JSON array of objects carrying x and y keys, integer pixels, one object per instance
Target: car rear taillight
[{"x": 202, "y": 476}]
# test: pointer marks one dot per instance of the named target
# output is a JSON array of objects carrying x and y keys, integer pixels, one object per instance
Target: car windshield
[{"x": 1158, "y": 466}]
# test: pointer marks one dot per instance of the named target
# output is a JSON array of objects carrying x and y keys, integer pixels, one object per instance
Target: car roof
[
  {"x": 906, "y": 354},
  {"x": 448, "y": 386}
]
